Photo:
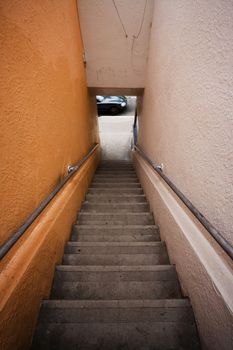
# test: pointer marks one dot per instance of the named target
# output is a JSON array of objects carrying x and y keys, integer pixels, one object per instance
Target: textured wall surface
[
  {"x": 45, "y": 113},
  {"x": 48, "y": 121},
  {"x": 186, "y": 123},
  {"x": 114, "y": 60},
  {"x": 27, "y": 271},
  {"x": 205, "y": 273},
  {"x": 187, "y": 120}
]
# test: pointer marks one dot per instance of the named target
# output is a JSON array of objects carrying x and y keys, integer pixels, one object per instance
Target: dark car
[{"x": 111, "y": 104}]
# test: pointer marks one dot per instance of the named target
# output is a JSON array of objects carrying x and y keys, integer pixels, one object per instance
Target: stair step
[
  {"x": 115, "y": 179},
  {"x": 116, "y": 336},
  {"x": 118, "y": 290},
  {"x": 115, "y": 233},
  {"x": 114, "y": 248},
  {"x": 116, "y": 164},
  {"x": 115, "y": 207},
  {"x": 116, "y": 167},
  {"x": 116, "y": 219},
  {"x": 121, "y": 175},
  {"x": 115, "y": 289},
  {"x": 113, "y": 238},
  {"x": 108, "y": 198},
  {"x": 112, "y": 191},
  {"x": 114, "y": 173},
  {"x": 114, "y": 273},
  {"x": 120, "y": 185},
  {"x": 117, "y": 259},
  {"x": 108, "y": 311}
]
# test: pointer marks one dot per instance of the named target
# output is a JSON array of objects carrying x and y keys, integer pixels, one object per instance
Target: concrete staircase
[{"x": 115, "y": 289}]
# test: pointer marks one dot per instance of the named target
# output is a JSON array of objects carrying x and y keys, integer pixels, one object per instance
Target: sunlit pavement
[{"x": 116, "y": 134}]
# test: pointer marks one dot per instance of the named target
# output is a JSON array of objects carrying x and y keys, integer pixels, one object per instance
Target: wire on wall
[
  {"x": 142, "y": 21},
  {"x": 126, "y": 35},
  {"x": 135, "y": 37}
]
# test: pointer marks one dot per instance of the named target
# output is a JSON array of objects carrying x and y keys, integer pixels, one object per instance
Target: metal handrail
[
  {"x": 225, "y": 245},
  {"x": 6, "y": 246}
]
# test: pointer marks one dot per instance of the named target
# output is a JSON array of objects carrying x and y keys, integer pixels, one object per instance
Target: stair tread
[
  {"x": 115, "y": 244},
  {"x": 115, "y": 255},
  {"x": 143, "y": 303},
  {"x": 116, "y": 259},
  {"x": 118, "y": 215},
  {"x": 100, "y": 273},
  {"x": 115, "y": 268},
  {"x": 147, "y": 237},
  {"x": 115, "y": 288},
  {"x": 121, "y": 290},
  {"x": 118, "y": 195},
  {"x": 115, "y": 190},
  {"x": 118, "y": 226},
  {"x": 111, "y": 336},
  {"x": 119, "y": 207}
]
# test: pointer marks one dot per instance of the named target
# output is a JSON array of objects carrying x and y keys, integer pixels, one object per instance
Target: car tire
[{"x": 114, "y": 110}]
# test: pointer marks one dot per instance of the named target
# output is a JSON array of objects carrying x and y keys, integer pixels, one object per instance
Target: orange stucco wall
[
  {"x": 48, "y": 121},
  {"x": 45, "y": 117}
]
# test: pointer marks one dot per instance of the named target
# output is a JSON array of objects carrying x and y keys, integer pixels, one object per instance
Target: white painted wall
[
  {"x": 112, "y": 59},
  {"x": 205, "y": 273},
  {"x": 187, "y": 116},
  {"x": 186, "y": 123}
]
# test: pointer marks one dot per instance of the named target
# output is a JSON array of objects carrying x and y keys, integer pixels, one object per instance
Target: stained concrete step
[
  {"x": 115, "y": 173},
  {"x": 114, "y": 273},
  {"x": 116, "y": 219},
  {"x": 118, "y": 290},
  {"x": 115, "y": 248},
  {"x": 116, "y": 169},
  {"x": 115, "y": 233},
  {"x": 123, "y": 198},
  {"x": 116, "y": 166},
  {"x": 115, "y": 207},
  {"x": 115, "y": 179},
  {"x": 113, "y": 238},
  {"x": 116, "y": 184},
  {"x": 115, "y": 163},
  {"x": 160, "y": 258},
  {"x": 108, "y": 311},
  {"x": 113, "y": 191},
  {"x": 116, "y": 336}
]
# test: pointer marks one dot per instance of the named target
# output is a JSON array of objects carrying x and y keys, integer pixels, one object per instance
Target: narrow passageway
[
  {"x": 115, "y": 289},
  {"x": 116, "y": 227}
]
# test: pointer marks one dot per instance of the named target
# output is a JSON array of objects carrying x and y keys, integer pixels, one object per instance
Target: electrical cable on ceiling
[{"x": 126, "y": 35}]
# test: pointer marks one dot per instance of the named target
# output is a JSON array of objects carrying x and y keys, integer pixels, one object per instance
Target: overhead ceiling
[{"x": 116, "y": 40}]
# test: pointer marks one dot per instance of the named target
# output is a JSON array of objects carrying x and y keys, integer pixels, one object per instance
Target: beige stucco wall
[
  {"x": 187, "y": 115},
  {"x": 186, "y": 123},
  {"x": 205, "y": 272},
  {"x": 114, "y": 60}
]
